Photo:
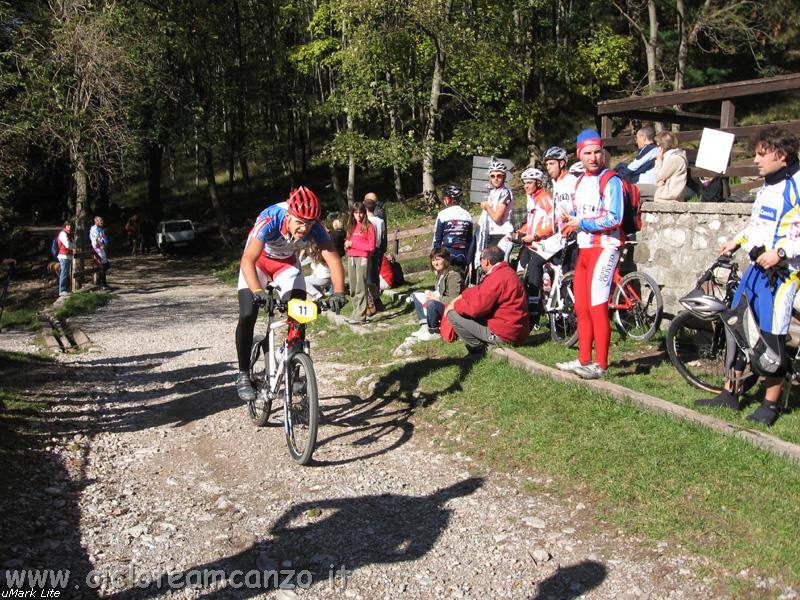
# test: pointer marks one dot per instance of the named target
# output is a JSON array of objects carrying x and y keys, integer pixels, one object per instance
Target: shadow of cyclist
[
  {"x": 381, "y": 422},
  {"x": 345, "y": 532}
]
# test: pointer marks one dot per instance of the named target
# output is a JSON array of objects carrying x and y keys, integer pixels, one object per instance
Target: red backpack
[{"x": 631, "y": 201}]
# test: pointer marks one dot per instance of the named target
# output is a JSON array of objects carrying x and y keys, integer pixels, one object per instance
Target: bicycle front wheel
[
  {"x": 638, "y": 306},
  {"x": 563, "y": 322},
  {"x": 302, "y": 408},
  {"x": 259, "y": 409},
  {"x": 697, "y": 349}
]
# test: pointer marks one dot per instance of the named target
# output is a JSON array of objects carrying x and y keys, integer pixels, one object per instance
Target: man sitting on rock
[{"x": 494, "y": 312}]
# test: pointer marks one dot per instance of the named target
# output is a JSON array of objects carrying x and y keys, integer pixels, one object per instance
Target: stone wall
[{"x": 681, "y": 239}]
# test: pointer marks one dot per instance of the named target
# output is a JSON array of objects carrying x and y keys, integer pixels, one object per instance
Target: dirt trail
[{"x": 158, "y": 472}]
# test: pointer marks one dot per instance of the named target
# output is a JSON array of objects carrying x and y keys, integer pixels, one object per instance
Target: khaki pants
[{"x": 357, "y": 276}]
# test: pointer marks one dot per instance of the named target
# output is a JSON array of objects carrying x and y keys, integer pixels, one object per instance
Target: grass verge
[
  {"x": 650, "y": 474},
  {"x": 82, "y": 303}
]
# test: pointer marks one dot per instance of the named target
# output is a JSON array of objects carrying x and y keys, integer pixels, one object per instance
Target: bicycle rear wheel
[
  {"x": 697, "y": 349},
  {"x": 642, "y": 319},
  {"x": 563, "y": 322},
  {"x": 259, "y": 409},
  {"x": 302, "y": 409}
]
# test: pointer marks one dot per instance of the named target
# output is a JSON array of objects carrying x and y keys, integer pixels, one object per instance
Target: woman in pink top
[{"x": 358, "y": 245}]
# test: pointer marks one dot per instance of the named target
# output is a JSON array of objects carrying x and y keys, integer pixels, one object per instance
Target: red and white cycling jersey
[{"x": 600, "y": 215}]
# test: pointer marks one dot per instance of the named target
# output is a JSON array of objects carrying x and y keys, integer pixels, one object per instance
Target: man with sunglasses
[{"x": 280, "y": 231}]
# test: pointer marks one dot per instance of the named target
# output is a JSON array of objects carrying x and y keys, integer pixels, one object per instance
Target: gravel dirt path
[{"x": 154, "y": 484}]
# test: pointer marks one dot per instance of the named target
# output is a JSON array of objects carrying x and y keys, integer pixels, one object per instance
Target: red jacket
[{"x": 501, "y": 301}]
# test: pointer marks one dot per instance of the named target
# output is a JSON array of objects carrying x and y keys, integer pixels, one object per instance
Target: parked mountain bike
[
  {"x": 635, "y": 304},
  {"x": 698, "y": 344},
  {"x": 696, "y": 340},
  {"x": 282, "y": 368}
]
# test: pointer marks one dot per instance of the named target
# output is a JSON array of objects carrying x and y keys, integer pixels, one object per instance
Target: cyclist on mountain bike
[
  {"x": 453, "y": 229},
  {"x": 772, "y": 239},
  {"x": 280, "y": 231},
  {"x": 539, "y": 226}
]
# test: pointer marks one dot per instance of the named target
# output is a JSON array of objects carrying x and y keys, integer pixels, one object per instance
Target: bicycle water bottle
[{"x": 546, "y": 282}]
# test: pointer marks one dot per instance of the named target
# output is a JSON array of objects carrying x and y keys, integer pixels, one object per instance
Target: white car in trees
[{"x": 174, "y": 234}]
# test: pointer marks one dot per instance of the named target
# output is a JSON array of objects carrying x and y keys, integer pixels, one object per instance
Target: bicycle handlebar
[{"x": 278, "y": 304}]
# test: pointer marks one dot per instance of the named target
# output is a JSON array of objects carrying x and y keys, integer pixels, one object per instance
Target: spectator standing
[
  {"x": 671, "y": 168},
  {"x": 494, "y": 312},
  {"x": 337, "y": 236},
  {"x": 772, "y": 239},
  {"x": 539, "y": 225},
  {"x": 66, "y": 249},
  {"x": 134, "y": 232},
  {"x": 98, "y": 240},
  {"x": 564, "y": 182},
  {"x": 597, "y": 217},
  {"x": 429, "y": 305},
  {"x": 376, "y": 257},
  {"x": 453, "y": 228},
  {"x": 359, "y": 244},
  {"x": 642, "y": 170}
]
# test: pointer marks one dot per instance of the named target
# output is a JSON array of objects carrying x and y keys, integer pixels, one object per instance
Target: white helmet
[
  {"x": 531, "y": 173},
  {"x": 496, "y": 165},
  {"x": 577, "y": 169}
]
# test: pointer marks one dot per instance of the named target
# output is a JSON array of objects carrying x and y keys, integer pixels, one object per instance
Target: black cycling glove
[
  {"x": 337, "y": 302},
  {"x": 261, "y": 297}
]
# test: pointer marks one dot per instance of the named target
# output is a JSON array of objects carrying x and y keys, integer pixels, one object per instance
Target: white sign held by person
[{"x": 715, "y": 150}]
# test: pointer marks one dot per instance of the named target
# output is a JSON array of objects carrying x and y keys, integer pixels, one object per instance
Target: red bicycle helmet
[{"x": 304, "y": 204}]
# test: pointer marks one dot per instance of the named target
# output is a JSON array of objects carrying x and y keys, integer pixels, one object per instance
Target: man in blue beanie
[{"x": 597, "y": 217}]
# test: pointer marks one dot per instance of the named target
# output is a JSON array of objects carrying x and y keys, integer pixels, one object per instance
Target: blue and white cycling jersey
[
  {"x": 270, "y": 228},
  {"x": 453, "y": 228},
  {"x": 775, "y": 220}
]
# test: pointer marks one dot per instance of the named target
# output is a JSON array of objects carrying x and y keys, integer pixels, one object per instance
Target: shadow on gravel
[
  {"x": 40, "y": 541},
  {"x": 131, "y": 360},
  {"x": 323, "y": 537},
  {"x": 571, "y": 582},
  {"x": 201, "y": 391},
  {"x": 380, "y": 423}
]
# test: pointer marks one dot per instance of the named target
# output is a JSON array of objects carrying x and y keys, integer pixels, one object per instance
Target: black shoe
[
  {"x": 724, "y": 399},
  {"x": 476, "y": 352},
  {"x": 766, "y": 414},
  {"x": 244, "y": 388}
]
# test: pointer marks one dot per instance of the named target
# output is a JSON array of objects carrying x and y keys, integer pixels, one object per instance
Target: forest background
[{"x": 240, "y": 100}]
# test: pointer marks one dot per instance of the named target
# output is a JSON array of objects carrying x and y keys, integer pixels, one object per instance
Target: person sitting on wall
[{"x": 642, "y": 169}]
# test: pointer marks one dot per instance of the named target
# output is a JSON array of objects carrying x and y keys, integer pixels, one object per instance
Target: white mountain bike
[{"x": 281, "y": 367}]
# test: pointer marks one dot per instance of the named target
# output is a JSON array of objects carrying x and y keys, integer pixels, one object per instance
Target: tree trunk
[
  {"x": 337, "y": 189},
  {"x": 351, "y": 167},
  {"x": 398, "y": 183},
  {"x": 81, "y": 214},
  {"x": 212, "y": 192},
  {"x": 683, "y": 48},
  {"x": 428, "y": 180},
  {"x": 246, "y": 176},
  {"x": 103, "y": 195},
  {"x": 155, "y": 154},
  {"x": 651, "y": 48}
]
